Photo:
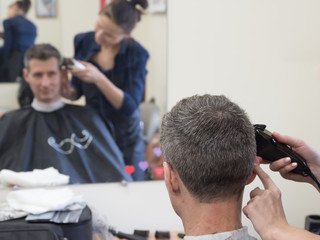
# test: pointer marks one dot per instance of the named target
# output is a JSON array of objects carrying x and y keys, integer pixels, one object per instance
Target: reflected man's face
[{"x": 44, "y": 78}]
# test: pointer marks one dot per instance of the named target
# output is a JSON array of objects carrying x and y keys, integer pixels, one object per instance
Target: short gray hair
[
  {"x": 42, "y": 52},
  {"x": 210, "y": 141}
]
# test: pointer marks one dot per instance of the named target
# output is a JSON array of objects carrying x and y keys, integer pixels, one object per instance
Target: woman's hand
[
  {"x": 265, "y": 208},
  {"x": 66, "y": 90},
  {"x": 265, "y": 211},
  {"x": 91, "y": 74},
  {"x": 285, "y": 166}
]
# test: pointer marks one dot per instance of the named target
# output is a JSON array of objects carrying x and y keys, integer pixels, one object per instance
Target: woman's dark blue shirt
[
  {"x": 19, "y": 35},
  {"x": 129, "y": 75}
]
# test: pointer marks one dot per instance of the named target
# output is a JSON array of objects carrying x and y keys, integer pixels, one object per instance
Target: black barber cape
[{"x": 72, "y": 139}]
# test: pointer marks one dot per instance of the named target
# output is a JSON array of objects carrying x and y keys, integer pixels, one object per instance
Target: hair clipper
[
  {"x": 71, "y": 63},
  {"x": 271, "y": 150}
]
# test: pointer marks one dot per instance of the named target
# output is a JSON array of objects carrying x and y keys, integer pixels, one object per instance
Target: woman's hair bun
[
  {"x": 24, "y": 5},
  {"x": 125, "y": 13}
]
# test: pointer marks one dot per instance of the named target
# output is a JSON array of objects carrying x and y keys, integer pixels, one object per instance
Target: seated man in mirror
[
  {"x": 209, "y": 150},
  {"x": 72, "y": 139}
]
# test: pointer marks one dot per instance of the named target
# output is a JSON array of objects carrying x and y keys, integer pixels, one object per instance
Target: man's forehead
[{"x": 48, "y": 64}]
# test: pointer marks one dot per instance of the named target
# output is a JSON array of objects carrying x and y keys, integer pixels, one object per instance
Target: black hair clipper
[{"x": 271, "y": 150}]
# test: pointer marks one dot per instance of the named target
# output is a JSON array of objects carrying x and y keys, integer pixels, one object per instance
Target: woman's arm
[
  {"x": 125, "y": 100},
  {"x": 92, "y": 75}
]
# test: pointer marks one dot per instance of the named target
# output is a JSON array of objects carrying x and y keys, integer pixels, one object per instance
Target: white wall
[
  {"x": 9, "y": 96},
  {"x": 152, "y": 33},
  {"x": 264, "y": 55}
]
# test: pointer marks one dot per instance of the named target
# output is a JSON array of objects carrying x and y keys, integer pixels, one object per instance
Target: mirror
[
  {"x": 74, "y": 17},
  {"x": 151, "y": 32}
]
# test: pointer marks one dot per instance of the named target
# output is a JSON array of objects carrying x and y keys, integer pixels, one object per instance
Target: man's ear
[
  {"x": 253, "y": 174},
  {"x": 251, "y": 178},
  {"x": 26, "y": 75},
  {"x": 171, "y": 178}
]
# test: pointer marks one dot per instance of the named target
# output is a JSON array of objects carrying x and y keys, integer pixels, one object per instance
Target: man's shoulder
[
  {"x": 239, "y": 234},
  {"x": 19, "y": 111},
  {"x": 80, "y": 109},
  {"x": 85, "y": 115},
  {"x": 16, "y": 116}
]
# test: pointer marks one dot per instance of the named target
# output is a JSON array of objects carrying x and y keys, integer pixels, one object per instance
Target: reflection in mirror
[
  {"x": 18, "y": 34},
  {"x": 60, "y": 32}
]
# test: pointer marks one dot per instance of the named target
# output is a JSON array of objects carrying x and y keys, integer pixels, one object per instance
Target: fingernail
[
  {"x": 287, "y": 160},
  {"x": 294, "y": 164}
]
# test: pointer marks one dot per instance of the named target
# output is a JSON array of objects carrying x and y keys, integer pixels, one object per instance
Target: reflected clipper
[{"x": 71, "y": 63}]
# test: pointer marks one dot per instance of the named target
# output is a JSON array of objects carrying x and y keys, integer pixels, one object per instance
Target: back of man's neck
[
  {"x": 47, "y": 107},
  {"x": 212, "y": 218}
]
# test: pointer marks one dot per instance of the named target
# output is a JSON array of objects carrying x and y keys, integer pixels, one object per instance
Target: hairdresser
[
  {"x": 265, "y": 209},
  {"x": 19, "y": 34},
  {"x": 113, "y": 80}
]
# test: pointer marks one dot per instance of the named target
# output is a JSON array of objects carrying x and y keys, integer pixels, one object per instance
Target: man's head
[
  {"x": 43, "y": 73},
  {"x": 210, "y": 143}
]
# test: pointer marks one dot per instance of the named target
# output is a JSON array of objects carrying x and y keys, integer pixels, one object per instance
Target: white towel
[
  {"x": 40, "y": 200},
  {"x": 36, "y": 178},
  {"x": 7, "y": 212}
]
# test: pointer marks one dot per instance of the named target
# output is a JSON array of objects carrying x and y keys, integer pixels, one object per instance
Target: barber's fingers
[
  {"x": 83, "y": 62},
  {"x": 259, "y": 160},
  {"x": 292, "y": 142},
  {"x": 86, "y": 74},
  {"x": 256, "y": 192},
  {"x": 265, "y": 178},
  {"x": 83, "y": 74},
  {"x": 284, "y": 164},
  {"x": 78, "y": 71}
]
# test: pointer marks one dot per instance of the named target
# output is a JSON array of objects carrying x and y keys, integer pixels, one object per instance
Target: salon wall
[
  {"x": 264, "y": 55},
  {"x": 75, "y": 16}
]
